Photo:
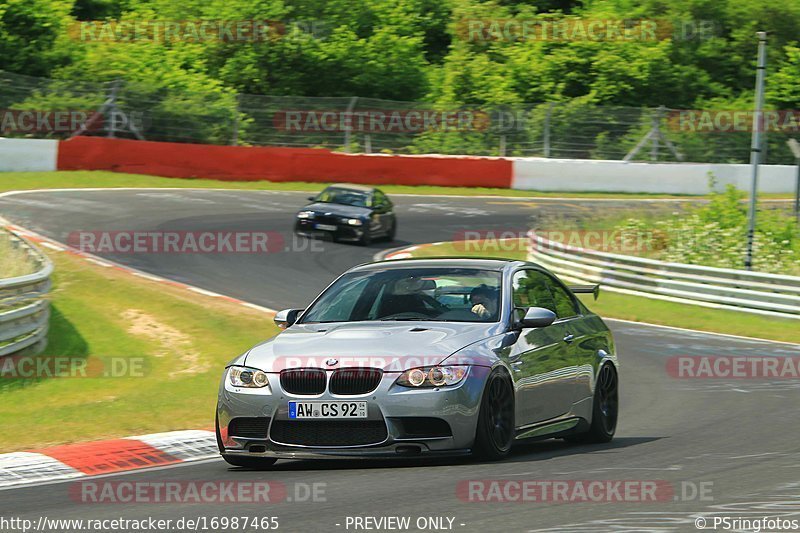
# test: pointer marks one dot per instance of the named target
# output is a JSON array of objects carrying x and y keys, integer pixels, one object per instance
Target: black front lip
[
  {"x": 344, "y": 232},
  {"x": 383, "y": 450}
]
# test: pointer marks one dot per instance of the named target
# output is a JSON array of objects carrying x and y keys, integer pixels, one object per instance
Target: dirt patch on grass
[{"x": 172, "y": 341}]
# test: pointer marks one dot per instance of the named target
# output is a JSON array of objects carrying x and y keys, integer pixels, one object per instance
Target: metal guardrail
[
  {"x": 740, "y": 290},
  {"x": 24, "y": 308}
]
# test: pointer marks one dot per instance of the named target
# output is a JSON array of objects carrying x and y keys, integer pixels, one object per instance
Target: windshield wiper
[
  {"x": 404, "y": 319},
  {"x": 431, "y": 319}
]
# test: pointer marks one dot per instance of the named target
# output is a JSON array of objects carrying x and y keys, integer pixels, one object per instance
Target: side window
[
  {"x": 380, "y": 199},
  {"x": 531, "y": 290},
  {"x": 565, "y": 305}
]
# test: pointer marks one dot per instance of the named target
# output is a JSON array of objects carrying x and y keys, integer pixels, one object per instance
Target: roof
[
  {"x": 482, "y": 263},
  {"x": 353, "y": 186}
]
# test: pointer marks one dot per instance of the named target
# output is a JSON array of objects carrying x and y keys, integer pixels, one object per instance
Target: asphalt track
[{"x": 737, "y": 440}]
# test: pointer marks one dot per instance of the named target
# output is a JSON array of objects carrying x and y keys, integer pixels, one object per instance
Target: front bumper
[
  {"x": 389, "y": 404},
  {"x": 343, "y": 232}
]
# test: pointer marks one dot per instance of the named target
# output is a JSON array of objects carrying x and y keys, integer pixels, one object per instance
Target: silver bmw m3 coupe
[{"x": 423, "y": 357}]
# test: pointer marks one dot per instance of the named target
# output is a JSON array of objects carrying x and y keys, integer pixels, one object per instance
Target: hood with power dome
[{"x": 392, "y": 346}]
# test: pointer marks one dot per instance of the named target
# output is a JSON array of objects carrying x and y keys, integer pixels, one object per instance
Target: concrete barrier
[
  {"x": 666, "y": 178},
  {"x": 24, "y": 155},
  {"x": 239, "y": 163}
]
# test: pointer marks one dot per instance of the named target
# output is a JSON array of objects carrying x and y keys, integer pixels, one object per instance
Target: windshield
[
  {"x": 335, "y": 195},
  {"x": 435, "y": 294}
]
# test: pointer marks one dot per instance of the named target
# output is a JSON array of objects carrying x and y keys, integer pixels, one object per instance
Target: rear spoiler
[{"x": 586, "y": 289}]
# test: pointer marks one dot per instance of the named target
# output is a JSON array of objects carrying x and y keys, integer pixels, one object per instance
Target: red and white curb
[
  {"x": 106, "y": 457},
  {"x": 116, "y": 455},
  {"x": 403, "y": 252}
]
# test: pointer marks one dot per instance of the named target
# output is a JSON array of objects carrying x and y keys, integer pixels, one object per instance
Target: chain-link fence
[{"x": 571, "y": 129}]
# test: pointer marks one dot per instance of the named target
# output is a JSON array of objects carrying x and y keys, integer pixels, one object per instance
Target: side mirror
[
  {"x": 537, "y": 317},
  {"x": 312, "y": 198},
  {"x": 285, "y": 318}
]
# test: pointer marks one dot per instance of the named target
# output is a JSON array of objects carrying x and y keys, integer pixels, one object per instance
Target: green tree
[{"x": 33, "y": 36}]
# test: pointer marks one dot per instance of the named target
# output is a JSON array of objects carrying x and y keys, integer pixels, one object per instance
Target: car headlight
[
  {"x": 250, "y": 378},
  {"x": 305, "y": 214},
  {"x": 437, "y": 376},
  {"x": 354, "y": 222}
]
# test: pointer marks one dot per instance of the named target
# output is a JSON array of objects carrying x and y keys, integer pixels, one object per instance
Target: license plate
[
  {"x": 325, "y": 227},
  {"x": 327, "y": 410}
]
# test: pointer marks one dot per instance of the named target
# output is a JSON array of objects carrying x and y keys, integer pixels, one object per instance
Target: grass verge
[
  {"x": 85, "y": 179},
  {"x": 14, "y": 260},
  {"x": 638, "y": 308},
  {"x": 180, "y": 339}
]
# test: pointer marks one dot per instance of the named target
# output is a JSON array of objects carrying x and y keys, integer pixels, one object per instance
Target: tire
[
  {"x": 253, "y": 463},
  {"x": 495, "y": 432},
  {"x": 392, "y": 232},
  {"x": 366, "y": 238},
  {"x": 605, "y": 409}
]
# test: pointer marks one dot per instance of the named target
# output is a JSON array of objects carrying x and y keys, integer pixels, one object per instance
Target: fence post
[
  {"x": 235, "y": 133},
  {"x": 367, "y": 143},
  {"x": 109, "y": 109},
  {"x": 112, "y": 105},
  {"x": 547, "y": 129},
  {"x": 349, "y": 113},
  {"x": 656, "y": 132},
  {"x": 99, "y": 114},
  {"x": 655, "y": 136},
  {"x": 502, "y": 146}
]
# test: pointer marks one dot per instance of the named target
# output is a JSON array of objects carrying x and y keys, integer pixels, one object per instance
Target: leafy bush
[{"x": 715, "y": 234}]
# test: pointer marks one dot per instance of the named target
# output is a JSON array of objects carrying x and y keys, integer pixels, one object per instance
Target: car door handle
[{"x": 569, "y": 337}]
